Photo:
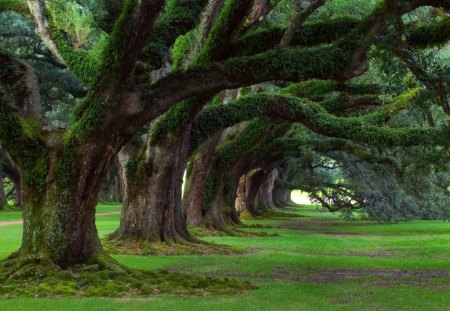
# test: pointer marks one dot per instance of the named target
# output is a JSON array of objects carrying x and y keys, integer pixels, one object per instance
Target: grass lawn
[{"x": 317, "y": 262}]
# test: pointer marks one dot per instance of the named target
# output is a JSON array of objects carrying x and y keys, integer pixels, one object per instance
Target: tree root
[
  {"x": 35, "y": 275},
  {"x": 235, "y": 230},
  {"x": 170, "y": 248}
]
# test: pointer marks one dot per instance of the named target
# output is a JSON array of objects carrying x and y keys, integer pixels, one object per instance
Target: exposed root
[
  {"x": 37, "y": 276},
  {"x": 139, "y": 247},
  {"x": 274, "y": 215},
  {"x": 236, "y": 230}
]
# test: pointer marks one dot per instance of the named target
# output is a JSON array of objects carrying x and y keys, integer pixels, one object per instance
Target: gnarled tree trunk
[
  {"x": 59, "y": 211},
  {"x": 264, "y": 197},
  {"x": 196, "y": 180},
  {"x": 281, "y": 196},
  {"x": 248, "y": 188},
  {"x": 152, "y": 192}
]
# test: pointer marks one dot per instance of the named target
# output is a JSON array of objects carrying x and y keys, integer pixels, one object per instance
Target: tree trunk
[
  {"x": 152, "y": 193},
  {"x": 281, "y": 197},
  {"x": 196, "y": 181},
  {"x": 248, "y": 188},
  {"x": 59, "y": 212},
  {"x": 264, "y": 198}
]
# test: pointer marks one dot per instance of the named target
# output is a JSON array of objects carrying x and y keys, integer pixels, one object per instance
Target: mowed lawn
[{"x": 315, "y": 262}]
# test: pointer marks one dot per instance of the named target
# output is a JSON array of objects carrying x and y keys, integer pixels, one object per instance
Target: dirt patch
[
  {"x": 373, "y": 253},
  {"x": 327, "y": 226},
  {"x": 379, "y": 277},
  {"x": 10, "y": 223}
]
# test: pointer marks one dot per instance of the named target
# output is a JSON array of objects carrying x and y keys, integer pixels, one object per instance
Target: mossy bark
[
  {"x": 264, "y": 198},
  {"x": 152, "y": 194},
  {"x": 248, "y": 188},
  {"x": 59, "y": 215},
  {"x": 196, "y": 180}
]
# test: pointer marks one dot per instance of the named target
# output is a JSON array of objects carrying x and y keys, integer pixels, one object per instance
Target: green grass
[{"x": 319, "y": 262}]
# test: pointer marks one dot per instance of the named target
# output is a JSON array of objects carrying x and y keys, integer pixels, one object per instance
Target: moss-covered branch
[
  {"x": 21, "y": 83},
  {"x": 183, "y": 114},
  {"x": 179, "y": 17},
  {"x": 296, "y": 64},
  {"x": 308, "y": 35},
  {"x": 315, "y": 117}
]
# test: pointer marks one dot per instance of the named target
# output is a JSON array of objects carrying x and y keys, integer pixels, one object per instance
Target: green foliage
[
  {"x": 177, "y": 19},
  {"x": 435, "y": 33},
  {"x": 182, "y": 48},
  {"x": 310, "y": 34},
  {"x": 17, "y": 6},
  {"x": 75, "y": 20}
]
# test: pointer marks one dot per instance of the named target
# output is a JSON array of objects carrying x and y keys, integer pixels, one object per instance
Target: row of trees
[{"x": 227, "y": 92}]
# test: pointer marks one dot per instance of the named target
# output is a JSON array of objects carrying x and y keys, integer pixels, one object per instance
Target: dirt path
[{"x": 19, "y": 222}]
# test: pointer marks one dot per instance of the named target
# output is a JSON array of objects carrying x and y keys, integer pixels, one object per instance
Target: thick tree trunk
[
  {"x": 196, "y": 180},
  {"x": 248, "y": 188},
  {"x": 281, "y": 197},
  {"x": 59, "y": 215},
  {"x": 264, "y": 198},
  {"x": 152, "y": 194}
]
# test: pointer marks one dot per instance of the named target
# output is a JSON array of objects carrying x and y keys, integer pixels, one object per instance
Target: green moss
[
  {"x": 17, "y": 6},
  {"x": 90, "y": 281},
  {"x": 357, "y": 128},
  {"x": 22, "y": 139},
  {"x": 136, "y": 164},
  {"x": 83, "y": 64},
  {"x": 311, "y": 88},
  {"x": 227, "y": 154},
  {"x": 182, "y": 47},
  {"x": 179, "y": 18},
  {"x": 308, "y": 35},
  {"x": 433, "y": 34}
]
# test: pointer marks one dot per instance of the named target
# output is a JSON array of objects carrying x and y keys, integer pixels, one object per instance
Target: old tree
[{"x": 157, "y": 85}]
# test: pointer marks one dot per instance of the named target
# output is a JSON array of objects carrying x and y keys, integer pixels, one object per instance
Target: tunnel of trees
[{"x": 196, "y": 113}]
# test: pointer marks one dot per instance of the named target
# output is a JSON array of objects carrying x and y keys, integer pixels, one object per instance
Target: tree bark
[
  {"x": 59, "y": 217},
  {"x": 281, "y": 197},
  {"x": 196, "y": 181},
  {"x": 152, "y": 195},
  {"x": 264, "y": 198},
  {"x": 253, "y": 181}
]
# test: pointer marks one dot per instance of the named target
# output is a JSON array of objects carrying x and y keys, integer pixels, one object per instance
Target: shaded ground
[{"x": 316, "y": 262}]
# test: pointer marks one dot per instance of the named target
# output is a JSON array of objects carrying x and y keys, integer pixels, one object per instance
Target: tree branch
[
  {"x": 298, "y": 21},
  {"x": 316, "y": 118},
  {"x": 21, "y": 83}
]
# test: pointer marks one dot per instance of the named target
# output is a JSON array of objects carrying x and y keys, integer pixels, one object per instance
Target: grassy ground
[{"x": 318, "y": 262}]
